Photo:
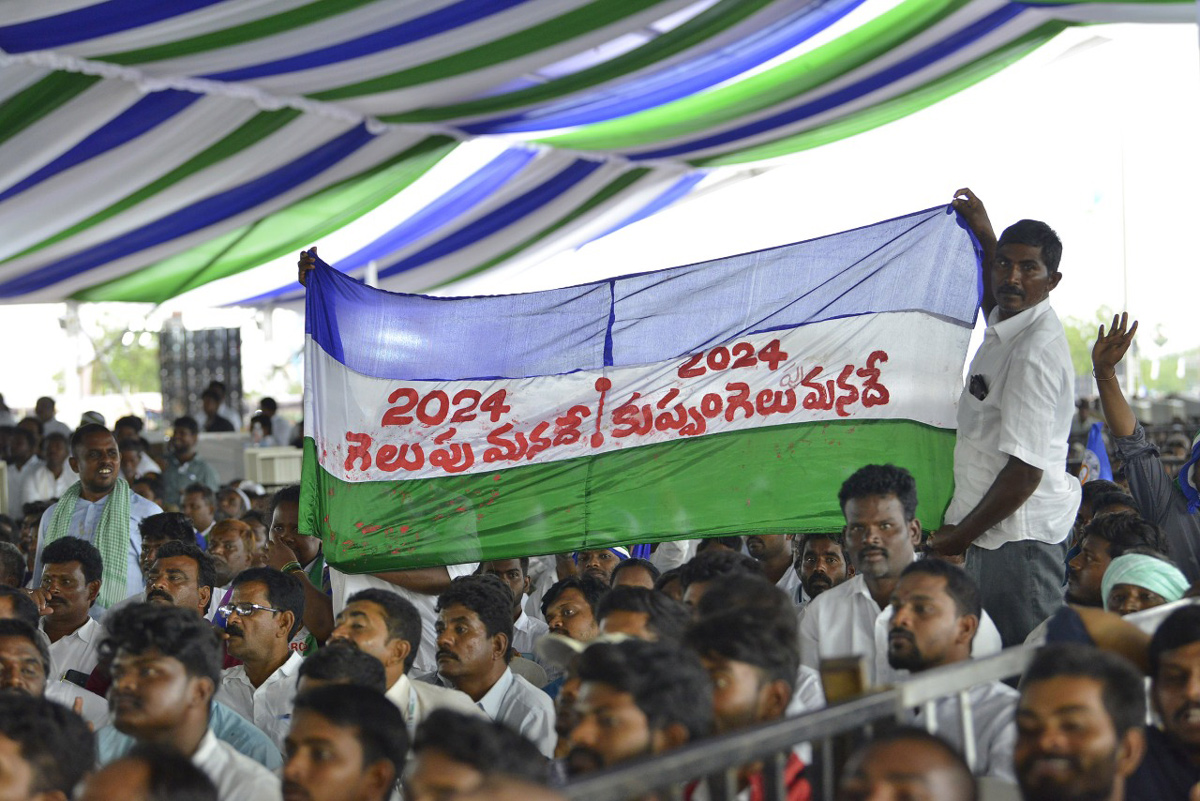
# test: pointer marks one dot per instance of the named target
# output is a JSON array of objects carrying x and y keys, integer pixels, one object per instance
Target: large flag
[{"x": 718, "y": 398}]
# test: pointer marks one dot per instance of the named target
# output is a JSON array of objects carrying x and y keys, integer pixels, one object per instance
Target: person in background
[
  {"x": 515, "y": 575},
  {"x": 52, "y": 477},
  {"x": 200, "y": 505},
  {"x": 456, "y": 754},
  {"x": 47, "y": 748},
  {"x": 1137, "y": 581},
  {"x": 821, "y": 562},
  {"x": 600, "y": 562},
  {"x": 214, "y": 423},
  {"x": 183, "y": 467},
  {"x": 711, "y": 564},
  {"x": 570, "y": 607},
  {"x": 131, "y": 427},
  {"x": 341, "y": 664},
  {"x": 149, "y": 773},
  {"x": 281, "y": 429},
  {"x": 1107, "y": 537},
  {"x": 774, "y": 553},
  {"x": 157, "y": 530},
  {"x": 642, "y": 613},
  {"x": 907, "y": 763},
  {"x": 23, "y": 462},
  {"x": 70, "y": 584},
  {"x": 44, "y": 411},
  {"x": 635, "y": 572}
]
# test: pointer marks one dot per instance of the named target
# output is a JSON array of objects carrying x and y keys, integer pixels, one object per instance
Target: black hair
[
  {"x": 1122, "y": 688},
  {"x": 153, "y": 482},
  {"x": 55, "y": 436},
  {"x": 1116, "y": 497},
  {"x": 171, "y": 776},
  {"x": 41, "y": 428},
  {"x": 959, "y": 584},
  {"x": 268, "y": 404},
  {"x": 377, "y": 723},
  {"x": 1097, "y": 487},
  {"x": 23, "y": 607},
  {"x": 187, "y": 423},
  {"x": 212, "y": 394},
  {"x": 206, "y": 571},
  {"x": 264, "y": 421},
  {"x": 402, "y": 618},
  {"x": 733, "y": 543},
  {"x": 130, "y": 444},
  {"x": 488, "y": 597},
  {"x": 203, "y": 490},
  {"x": 668, "y": 683},
  {"x": 284, "y": 591},
  {"x": 710, "y": 564},
  {"x": 14, "y": 627},
  {"x": 748, "y": 591},
  {"x": 131, "y": 421},
  {"x": 172, "y": 631},
  {"x": 1125, "y": 530},
  {"x": 35, "y": 508},
  {"x": 879, "y": 480},
  {"x": 838, "y": 538},
  {"x": 12, "y": 565},
  {"x": 58, "y": 744},
  {"x": 488, "y": 746},
  {"x": 666, "y": 617},
  {"x": 666, "y": 578},
  {"x": 634, "y": 561},
  {"x": 968, "y": 785},
  {"x": 85, "y": 431},
  {"x": 253, "y": 516},
  {"x": 27, "y": 435},
  {"x": 170, "y": 526},
  {"x": 590, "y": 587},
  {"x": 1181, "y": 627},
  {"x": 73, "y": 549},
  {"x": 1034, "y": 233},
  {"x": 345, "y": 664},
  {"x": 288, "y": 494},
  {"x": 772, "y": 645}
]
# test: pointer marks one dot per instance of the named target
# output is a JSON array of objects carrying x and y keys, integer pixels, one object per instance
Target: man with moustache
[
  {"x": 166, "y": 663},
  {"x": 882, "y": 533},
  {"x": 932, "y": 620},
  {"x": 158, "y": 530},
  {"x": 70, "y": 583},
  {"x": 25, "y": 669},
  {"x": 1171, "y": 767},
  {"x": 100, "y": 509},
  {"x": 231, "y": 548},
  {"x": 819, "y": 560},
  {"x": 1079, "y": 725},
  {"x": 46, "y": 750},
  {"x": 1014, "y": 503},
  {"x": 774, "y": 553},
  {"x": 570, "y": 607},
  {"x": 263, "y": 615},
  {"x": 600, "y": 562},
  {"x": 515, "y": 574}
]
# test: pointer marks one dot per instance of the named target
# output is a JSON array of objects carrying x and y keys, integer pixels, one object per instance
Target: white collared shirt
[
  {"x": 525, "y": 709},
  {"x": 269, "y": 706},
  {"x": 789, "y": 582},
  {"x": 77, "y": 650},
  {"x": 92, "y": 708},
  {"x": 993, "y": 712},
  {"x": 41, "y": 485},
  {"x": 1026, "y": 413},
  {"x": 526, "y": 632},
  {"x": 236, "y": 776},
  {"x": 846, "y": 621},
  {"x": 416, "y": 699},
  {"x": 17, "y": 477}
]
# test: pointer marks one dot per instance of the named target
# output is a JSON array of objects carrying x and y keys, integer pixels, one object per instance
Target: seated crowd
[{"x": 211, "y": 652}]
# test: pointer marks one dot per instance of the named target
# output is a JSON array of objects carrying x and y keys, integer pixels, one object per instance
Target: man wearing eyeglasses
[{"x": 264, "y": 613}]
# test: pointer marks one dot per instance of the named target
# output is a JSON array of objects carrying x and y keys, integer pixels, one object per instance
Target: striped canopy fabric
[{"x": 148, "y": 148}]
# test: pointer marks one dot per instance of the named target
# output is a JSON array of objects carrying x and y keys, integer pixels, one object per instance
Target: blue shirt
[
  {"x": 226, "y": 724},
  {"x": 84, "y": 521}
]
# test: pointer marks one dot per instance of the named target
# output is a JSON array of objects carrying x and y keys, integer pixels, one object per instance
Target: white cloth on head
[
  {"x": 268, "y": 706},
  {"x": 846, "y": 621},
  {"x": 236, "y": 776},
  {"x": 1026, "y": 413},
  {"x": 523, "y": 708}
]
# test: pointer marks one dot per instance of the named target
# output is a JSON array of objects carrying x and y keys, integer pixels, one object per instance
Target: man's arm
[
  {"x": 308, "y": 261},
  {"x": 1013, "y": 485},
  {"x": 318, "y": 607},
  {"x": 425, "y": 580},
  {"x": 972, "y": 210},
  {"x": 1106, "y": 354}
]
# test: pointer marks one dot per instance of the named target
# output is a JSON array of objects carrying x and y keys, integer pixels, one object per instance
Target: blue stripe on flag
[
  {"x": 930, "y": 55},
  {"x": 673, "y": 193},
  {"x": 195, "y": 217},
  {"x": 91, "y": 22},
  {"x": 1095, "y": 444},
  {"x": 897, "y": 265},
  {"x": 445, "y": 19},
  {"x": 136, "y": 120},
  {"x": 676, "y": 81},
  {"x": 502, "y": 217}
]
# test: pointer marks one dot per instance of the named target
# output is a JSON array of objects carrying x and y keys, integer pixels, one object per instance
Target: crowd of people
[{"x": 164, "y": 636}]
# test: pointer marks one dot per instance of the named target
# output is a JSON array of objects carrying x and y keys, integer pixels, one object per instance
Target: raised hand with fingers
[{"x": 1110, "y": 347}]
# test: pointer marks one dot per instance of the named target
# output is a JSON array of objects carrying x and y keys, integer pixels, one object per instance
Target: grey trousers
[{"x": 1020, "y": 584}]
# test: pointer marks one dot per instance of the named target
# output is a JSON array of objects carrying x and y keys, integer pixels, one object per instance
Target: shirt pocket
[{"x": 972, "y": 414}]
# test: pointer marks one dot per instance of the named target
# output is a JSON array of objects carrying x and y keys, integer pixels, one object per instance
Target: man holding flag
[{"x": 1014, "y": 503}]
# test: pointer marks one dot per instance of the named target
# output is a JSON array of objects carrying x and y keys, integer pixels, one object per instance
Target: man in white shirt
[
  {"x": 473, "y": 650},
  {"x": 262, "y": 616},
  {"x": 774, "y": 553},
  {"x": 882, "y": 533},
  {"x": 346, "y": 744},
  {"x": 388, "y": 627},
  {"x": 166, "y": 662},
  {"x": 42, "y": 744},
  {"x": 44, "y": 411},
  {"x": 22, "y": 463},
  {"x": 49, "y": 480},
  {"x": 934, "y": 614},
  {"x": 25, "y": 668},
  {"x": 70, "y": 584},
  {"x": 199, "y": 503},
  {"x": 821, "y": 563},
  {"x": 1014, "y": 503},
  {"x": 515, "y": 574}
]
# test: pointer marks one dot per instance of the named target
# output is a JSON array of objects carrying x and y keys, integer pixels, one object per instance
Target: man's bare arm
[
  {"x": 972, "y": 210},
  {"x": 1106, "y": 354},
  {"x": 425, "y": 580},
  {"x": 1013, "y": 485}
]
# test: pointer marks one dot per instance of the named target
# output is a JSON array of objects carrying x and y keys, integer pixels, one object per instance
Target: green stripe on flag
[
  {"x": 36, "y": 101},
  {"x": 780, "y": 479},
  {"x": 564, "y": 28},
  {"x": 701, "y": 113},
  {"x": 294, "y": 227},
  {"x": 709, "y": 23},
  {"x": 896, "y": 108}
]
